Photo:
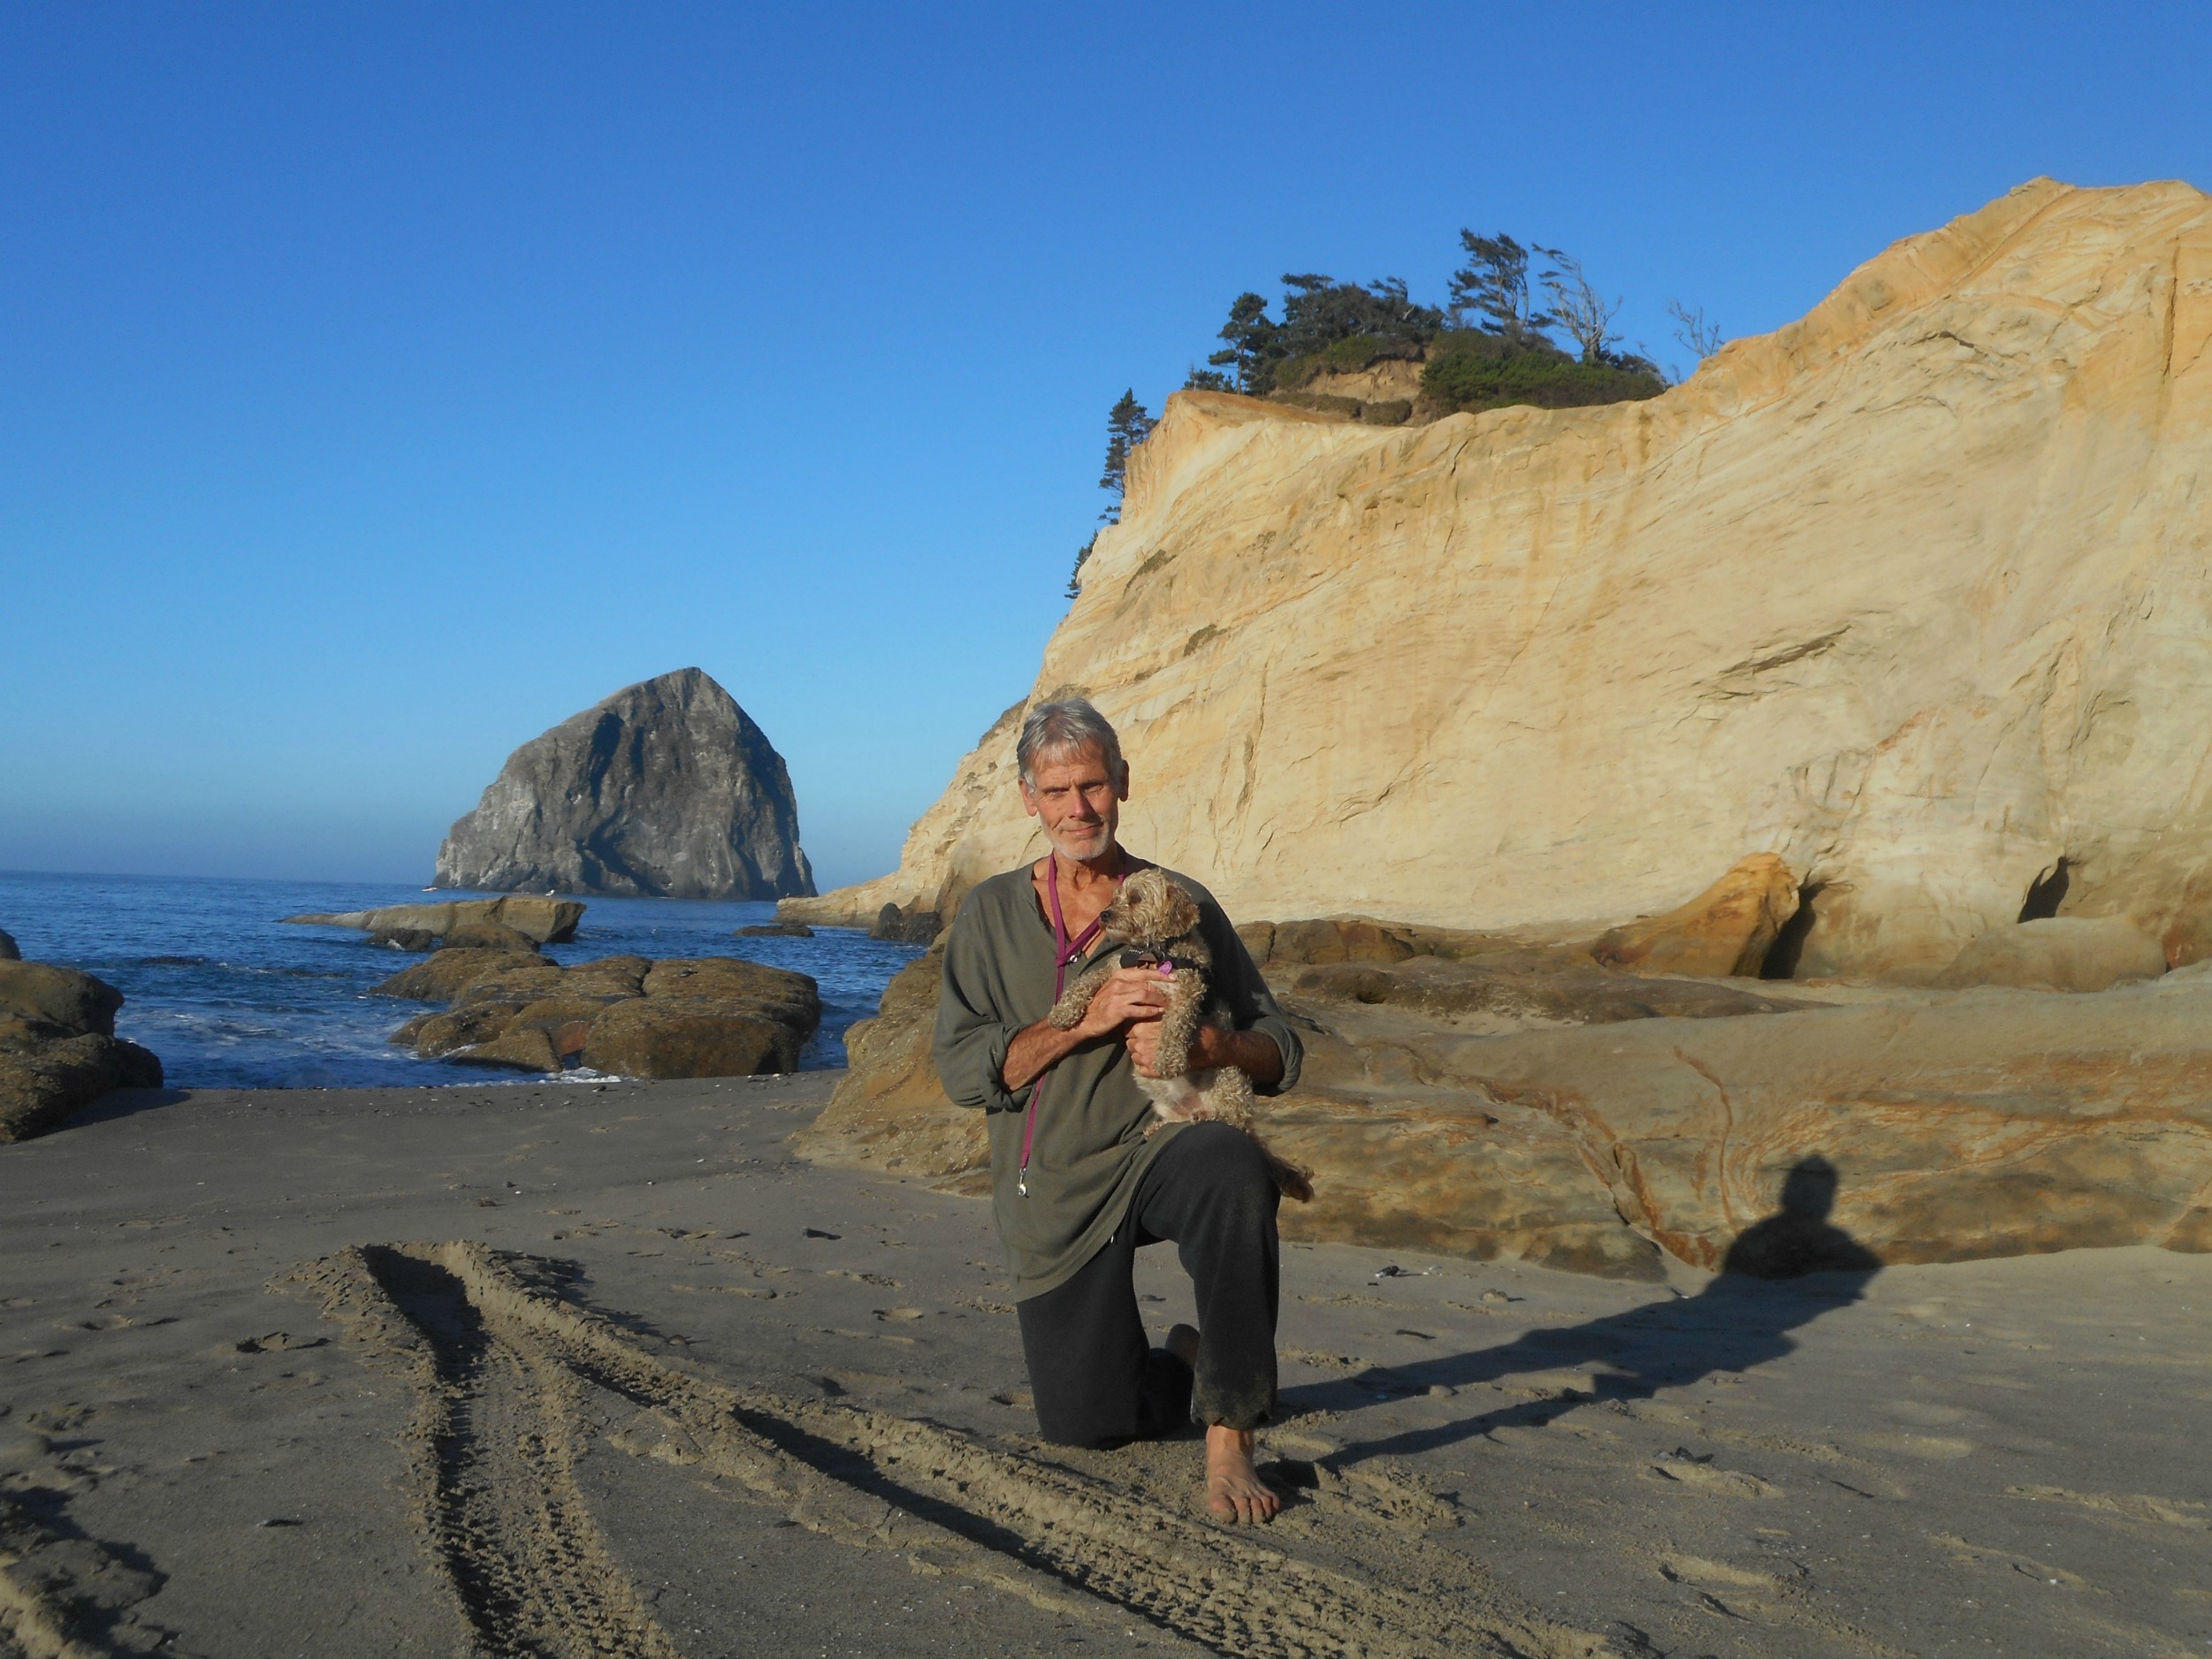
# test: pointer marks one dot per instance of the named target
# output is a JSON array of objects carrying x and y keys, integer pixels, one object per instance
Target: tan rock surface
[
  {"x": 2059, "y": 952},
  {"x": 1961, "y": 1125},
  {"x": 1727, "y": 929},
  {"x": 889, "y": 1112},
  {"x": 1909, "y": 594}
]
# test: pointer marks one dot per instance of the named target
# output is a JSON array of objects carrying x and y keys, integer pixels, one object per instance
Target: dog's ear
[{"x": 1179, "y": 911}]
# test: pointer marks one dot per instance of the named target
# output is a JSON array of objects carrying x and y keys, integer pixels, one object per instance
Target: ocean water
[{"x": 231, "y": 997}]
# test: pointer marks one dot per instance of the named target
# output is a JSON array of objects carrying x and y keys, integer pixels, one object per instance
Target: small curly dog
[{"x": 1157, "y": 923}]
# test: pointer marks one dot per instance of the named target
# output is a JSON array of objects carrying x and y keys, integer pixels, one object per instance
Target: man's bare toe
[
  {"x": 1234, "y": 1491},
  {"x": 1240, "y": 1500}
]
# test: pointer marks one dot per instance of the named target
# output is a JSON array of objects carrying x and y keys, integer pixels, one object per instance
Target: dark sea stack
[
  {"x": 667, "y": 789},
  {"x": 8, "y": 951}
]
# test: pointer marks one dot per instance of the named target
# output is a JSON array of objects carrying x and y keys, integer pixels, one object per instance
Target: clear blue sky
[{"x": 381, "y": 384}]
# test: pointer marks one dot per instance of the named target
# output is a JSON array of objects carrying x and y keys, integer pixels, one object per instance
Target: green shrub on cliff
[
  {"x": 1469, "y": 370},
  {"x": 1344, "y": 357}
]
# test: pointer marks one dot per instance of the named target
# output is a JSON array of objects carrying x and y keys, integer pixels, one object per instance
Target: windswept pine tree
[{"x": 1126, "y": 424}]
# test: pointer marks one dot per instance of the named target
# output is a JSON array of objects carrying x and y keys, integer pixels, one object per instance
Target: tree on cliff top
[
  {"x": 1494, "y": 285},
  {"x": 1250, "y": 332},
  {"x": 1578, "y": 307},
  {"x": 1127, "y": 422},
  {"x": 1319, "y": 314}
]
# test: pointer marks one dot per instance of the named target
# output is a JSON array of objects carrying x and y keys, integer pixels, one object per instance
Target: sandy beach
[{"x": 573, "y": 1368}]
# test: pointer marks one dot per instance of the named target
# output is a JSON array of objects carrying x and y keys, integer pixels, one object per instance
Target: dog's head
[{"x": 1150, "y": 911}]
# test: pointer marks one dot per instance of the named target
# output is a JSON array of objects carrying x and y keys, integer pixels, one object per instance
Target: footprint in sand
[
  {"x": 899, "y": 1314},
  {"x": 2158, "y": 1511},
  {"x": 1699, "y": 1570},
  {"x": 1926, "y": 1414},
  {"x": 1934, "y": 1447},
  {"x": 1699, "y": 1475}
]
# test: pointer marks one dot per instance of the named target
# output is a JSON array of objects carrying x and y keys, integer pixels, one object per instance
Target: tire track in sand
[{"x": 500, "y": 1361}]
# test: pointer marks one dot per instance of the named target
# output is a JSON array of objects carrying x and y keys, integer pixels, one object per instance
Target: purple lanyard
[{"x": 1065, "y": 951}]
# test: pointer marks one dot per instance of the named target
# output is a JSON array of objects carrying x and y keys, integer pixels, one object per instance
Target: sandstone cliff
[
  {"x": 667, "y": 789},
  {"x": 1913, "y": 594}
]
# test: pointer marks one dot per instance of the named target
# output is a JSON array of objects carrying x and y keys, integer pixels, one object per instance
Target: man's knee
[{"x": 1228, "y": 1161}]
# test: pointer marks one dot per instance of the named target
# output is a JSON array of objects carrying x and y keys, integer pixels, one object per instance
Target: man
[{"x": 1077, "y": 1185}]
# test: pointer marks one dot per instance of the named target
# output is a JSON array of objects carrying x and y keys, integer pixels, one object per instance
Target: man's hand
[
  {"x": 1251, "y": 1053},
  {"x": 1132, "y": 994}
]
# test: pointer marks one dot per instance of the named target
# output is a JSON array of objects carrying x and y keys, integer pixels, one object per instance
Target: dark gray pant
[{"x": 1094, "y": 1380}]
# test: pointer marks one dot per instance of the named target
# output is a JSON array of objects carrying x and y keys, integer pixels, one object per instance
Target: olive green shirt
[{"x": 1089, "y": 1148}]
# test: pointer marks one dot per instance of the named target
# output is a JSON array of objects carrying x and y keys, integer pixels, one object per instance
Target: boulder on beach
[
  {"x": 542, "y": 921},
  {"x": 666, "y": 789},
  {"x": 712, "y": 1017},
  {"x": 58, "y": 1051},
  {"x": 1727, "y": 929},
  {"x": 62, "y": 1000},
  {"x": 889, "y": 1112}
]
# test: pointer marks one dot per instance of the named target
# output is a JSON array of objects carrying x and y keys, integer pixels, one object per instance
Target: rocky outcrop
[
  {"x": 8, "y": 951},
  {"x": 915, "y": 926},
  {"x": 1909, "y": 595},
  {"x": 1513, "y": 1102},
  {"x": 58, "y": 1050},
  {"x": 539, "y": 921},
  {"x": 667, "y": 789},
  {"x": 773, "y": 930},
  {"x": 714, "y": 1017},
  {"x": 889, "y": 1112},
  {"x": 2059, "y": 954},
  {"x": 1727, "y": 929},
  {"x": 1456, "y": 1173}
]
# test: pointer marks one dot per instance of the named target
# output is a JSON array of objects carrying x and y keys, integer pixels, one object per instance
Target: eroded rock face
[
  {"x": 2059, "y": 954},
  {"x": 58, "y": 1051},
  {"x": 667, "y": 789},
  {"x": 713, "y": 1017},
  {"x": 8, "y": 951},
  {"x": 1910, "y": 595}
]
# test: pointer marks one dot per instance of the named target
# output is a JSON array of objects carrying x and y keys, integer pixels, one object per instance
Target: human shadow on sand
[{"x": 1779, "y": 1273}]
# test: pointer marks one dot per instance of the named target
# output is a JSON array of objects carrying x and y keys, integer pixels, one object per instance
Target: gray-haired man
[{"x": 1077, "y": 1185}]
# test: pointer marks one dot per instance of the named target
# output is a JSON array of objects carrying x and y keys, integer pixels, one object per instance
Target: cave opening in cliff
[
  {"x": 2046, "y": 894},
  {"x": 1781, "y": 961}
]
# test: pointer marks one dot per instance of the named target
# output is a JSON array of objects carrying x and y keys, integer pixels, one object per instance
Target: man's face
[{"x": 1078, "y": 802}]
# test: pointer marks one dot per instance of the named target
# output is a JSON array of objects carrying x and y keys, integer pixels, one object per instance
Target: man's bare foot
[{"x": 1234, "y": 1491}]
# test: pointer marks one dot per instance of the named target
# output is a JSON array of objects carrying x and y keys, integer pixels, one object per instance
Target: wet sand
[{"x": 573, "y": 1368}]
